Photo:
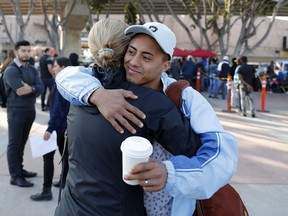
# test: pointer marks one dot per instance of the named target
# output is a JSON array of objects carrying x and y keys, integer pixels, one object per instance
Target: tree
[
  {"x": 130, "y": 14},
  {"x": 53, "y": 26},
  {"x": 6, "y": 27},
  {"x": 97, "y": 7},
  {"x": 19, "y": 18},
  {"x": 214, "y": 20},
  {"x": 57, "y": 23},
  {"x": 250, "y": 26}
]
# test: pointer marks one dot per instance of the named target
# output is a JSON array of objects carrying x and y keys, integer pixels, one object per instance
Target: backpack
[
  {"x": 2, "y": 86},
  {"x": 226, "y": 201}
]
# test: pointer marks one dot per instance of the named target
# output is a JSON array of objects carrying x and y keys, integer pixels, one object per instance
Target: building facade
[{"x": 272, "y": 48}]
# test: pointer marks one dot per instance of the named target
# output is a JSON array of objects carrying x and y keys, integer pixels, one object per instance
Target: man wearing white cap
[
  {"x": 223, "y": 71},
  {"x": 197, "y": 177}
]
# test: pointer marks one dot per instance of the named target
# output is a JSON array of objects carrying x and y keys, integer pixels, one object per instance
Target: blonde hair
[
  {"x": 108, "y": 43},
  {"x": 7, "y": 61}
]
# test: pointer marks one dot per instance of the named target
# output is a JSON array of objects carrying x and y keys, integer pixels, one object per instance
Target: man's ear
[{"x": 166, "y": 65}]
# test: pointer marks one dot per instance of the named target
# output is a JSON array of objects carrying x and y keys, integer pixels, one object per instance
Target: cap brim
[
  {"x": 136, "y": 29},
  {"x": 140, "y": 29}
]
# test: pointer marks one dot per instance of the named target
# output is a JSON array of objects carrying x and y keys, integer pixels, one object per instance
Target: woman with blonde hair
[
  {"x": 108, "y": 47},
  {"x": 6, "y": 62}
]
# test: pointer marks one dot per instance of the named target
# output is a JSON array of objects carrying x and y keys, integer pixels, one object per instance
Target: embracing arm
[
  {"x": 79, "y": 87},
  {"x": 192, "y": 177},
  {"x": 199, "y": 177},
  {"x": 76, "y": 84}
]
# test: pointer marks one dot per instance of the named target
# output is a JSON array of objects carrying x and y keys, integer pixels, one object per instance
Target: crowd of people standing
[{"x": 215, "y": 76}]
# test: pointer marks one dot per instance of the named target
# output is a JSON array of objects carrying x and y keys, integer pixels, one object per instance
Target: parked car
[
  {"x": 276, "y": 84},
  {"x": 262, "y": 68},
  {"x": 257, "y": 80},
  {"x": 281, "y": 68}
]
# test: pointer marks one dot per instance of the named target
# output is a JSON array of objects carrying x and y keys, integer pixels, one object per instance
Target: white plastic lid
[{"x": 137, "y": 147}]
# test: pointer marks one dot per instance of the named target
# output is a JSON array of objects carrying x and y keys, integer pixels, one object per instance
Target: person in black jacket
[
  {"x": 246, "y": 76},
  {"x": 223, "y": 72},
  {"x": 46, "y": 74},
  {"x": 5, "y": 64},
  {"x": 74, "y": 58},
  {"x": 22, "y": 86},
  {"x": 58, "y": 122},
  {"x": 94, "y": 184}
]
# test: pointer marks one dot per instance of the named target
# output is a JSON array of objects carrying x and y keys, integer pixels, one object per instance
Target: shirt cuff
[
  {"x": 171, "y": 179},
  {"x": 86, "y": 97}
]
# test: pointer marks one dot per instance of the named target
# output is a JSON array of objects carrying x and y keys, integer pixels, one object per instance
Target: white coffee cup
[{"x": 135, "y": 150}]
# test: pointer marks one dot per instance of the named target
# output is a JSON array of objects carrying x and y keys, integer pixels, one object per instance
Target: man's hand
[
  {"x": 152, "y": 175},
  {"x": 47, "y": 135},
  {"x": 249, "y": 88},
  {"x": 114, "y": 107},
  {"x": 24, "y": 90}
]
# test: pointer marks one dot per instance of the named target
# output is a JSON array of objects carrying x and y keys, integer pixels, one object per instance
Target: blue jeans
[
  {"x": 223, "y": 87},
  {"x": 212, "y": 87},
  {"x": 244, "y": 94}
]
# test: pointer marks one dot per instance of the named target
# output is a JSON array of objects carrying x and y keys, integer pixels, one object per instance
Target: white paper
[{"x": 40, "y": 147}]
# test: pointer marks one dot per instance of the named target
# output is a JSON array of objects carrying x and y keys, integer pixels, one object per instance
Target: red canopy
[
  {"x": 201, "y": 53},
  {"x": 179, "y": 52}
]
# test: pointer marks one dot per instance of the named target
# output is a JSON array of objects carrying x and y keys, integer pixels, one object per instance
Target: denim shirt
[{"x": 188, "y": 178}]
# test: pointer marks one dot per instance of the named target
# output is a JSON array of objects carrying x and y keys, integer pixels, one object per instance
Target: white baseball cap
[
  {"x": 226, "y": 58},
  {"x": 160, "y": 32}
]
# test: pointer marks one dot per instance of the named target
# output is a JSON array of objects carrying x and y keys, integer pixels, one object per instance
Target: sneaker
[
  {"x": 253, "y": 115},
  {"x": 243, "y": 114}
]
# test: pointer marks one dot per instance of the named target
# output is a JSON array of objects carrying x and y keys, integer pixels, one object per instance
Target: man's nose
[{"x": 135, "y": 60}]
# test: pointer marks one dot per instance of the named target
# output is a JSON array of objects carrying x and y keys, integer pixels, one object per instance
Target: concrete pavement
[
  {"x": 262, "y": 174},
  {"x": 261, "y": 177},
  {"x": 14, "y": 200}
]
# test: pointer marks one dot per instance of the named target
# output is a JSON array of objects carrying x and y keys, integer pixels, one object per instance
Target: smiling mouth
[{"x": 131, "y": 71}]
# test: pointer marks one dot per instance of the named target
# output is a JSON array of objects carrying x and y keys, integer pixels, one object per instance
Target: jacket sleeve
[
  {"x": 76, "y": 84},
  {"x": 165, "y": 121},
  {"x": 58, "y": 113},
  {"x": 200, "y": 176},
  {"x": 13, "y": 78},
  {"x": 37, "y": 85}
]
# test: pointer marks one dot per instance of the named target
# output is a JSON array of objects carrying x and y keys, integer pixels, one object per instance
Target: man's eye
[
  {"x": 129, "y": 50},
  {"x": 146, "y": 58}
]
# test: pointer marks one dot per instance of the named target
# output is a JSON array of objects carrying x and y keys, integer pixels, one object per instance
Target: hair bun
[{"x": 106, "y": 52}]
